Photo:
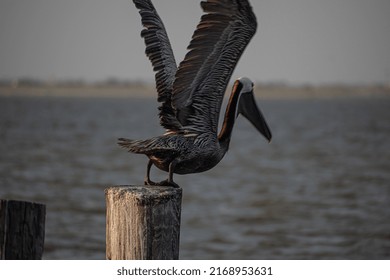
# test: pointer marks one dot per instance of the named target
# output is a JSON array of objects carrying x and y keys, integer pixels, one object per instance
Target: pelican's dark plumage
[{"x": 191, "y": 95}]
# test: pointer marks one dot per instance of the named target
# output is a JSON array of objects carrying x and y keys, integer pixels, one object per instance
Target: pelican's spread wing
[
  {"x": 159, "y": 51},
  {"x": 217, "y": 44}
]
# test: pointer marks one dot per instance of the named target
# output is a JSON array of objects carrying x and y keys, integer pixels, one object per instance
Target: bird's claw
[
  {"x": 150, "y": 183},
  {"x": 162, "y": 183},
  {"x": 169, "y": 183}
]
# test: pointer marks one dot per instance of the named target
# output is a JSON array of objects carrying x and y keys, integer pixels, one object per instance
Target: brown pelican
[{"x": 192, "y": 94}]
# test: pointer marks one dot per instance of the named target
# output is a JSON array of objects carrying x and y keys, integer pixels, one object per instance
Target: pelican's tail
[
  {"x": 147, "y": 147},
  {"x": 134, "y": 146}
]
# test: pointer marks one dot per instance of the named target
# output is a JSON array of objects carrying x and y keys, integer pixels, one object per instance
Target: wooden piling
[
  {"x": 143, "y": 222},
  {"x": 22, "y": 230}
]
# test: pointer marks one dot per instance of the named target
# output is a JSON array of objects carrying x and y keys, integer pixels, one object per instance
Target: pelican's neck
[{"x": 230, "y": 117}]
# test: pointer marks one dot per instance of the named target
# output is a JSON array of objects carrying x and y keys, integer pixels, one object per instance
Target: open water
[{"x": 319, "y": 190}]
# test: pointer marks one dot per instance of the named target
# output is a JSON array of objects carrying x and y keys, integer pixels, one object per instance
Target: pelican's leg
[
  {"x": 169, "y": 181},
  {"x": 147, "y": 180}
]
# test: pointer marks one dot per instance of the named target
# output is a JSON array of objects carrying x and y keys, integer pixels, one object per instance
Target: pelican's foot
[
  {"x": 168, "y": 183},
  {"x": 150, "y": 183}
]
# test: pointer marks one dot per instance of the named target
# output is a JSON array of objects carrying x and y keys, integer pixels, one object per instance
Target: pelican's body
[
  {"x": 187, "y": 153},
  {"x": 192, "y": 94}
]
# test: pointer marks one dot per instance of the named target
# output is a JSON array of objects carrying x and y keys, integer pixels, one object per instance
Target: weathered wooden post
[
  {"x": 22, "y": 230},
  {"x": 143, "y": 222}
]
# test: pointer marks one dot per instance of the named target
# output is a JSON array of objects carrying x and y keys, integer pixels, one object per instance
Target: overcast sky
[{"x": 298, "y": 41}]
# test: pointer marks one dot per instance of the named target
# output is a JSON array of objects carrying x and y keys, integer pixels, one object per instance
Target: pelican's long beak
[{"x": 248, "y": 108}]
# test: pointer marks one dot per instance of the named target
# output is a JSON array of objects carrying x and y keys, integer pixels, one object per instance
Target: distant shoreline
[{"x": 148, "y": 91}]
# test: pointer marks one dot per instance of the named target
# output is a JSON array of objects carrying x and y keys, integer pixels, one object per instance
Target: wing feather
[{"x": 159, "y": 51}]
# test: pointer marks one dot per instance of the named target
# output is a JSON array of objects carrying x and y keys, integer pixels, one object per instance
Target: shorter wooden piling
[
  {"x": 143, "y": 222},
  {"x": 22, "y": 230}
]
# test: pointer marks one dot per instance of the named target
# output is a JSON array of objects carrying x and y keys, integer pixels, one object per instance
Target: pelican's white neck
[{"x": 247, "y": 84}]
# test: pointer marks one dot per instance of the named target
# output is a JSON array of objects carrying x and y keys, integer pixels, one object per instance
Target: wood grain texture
[
  {"x": 22, "y": 230},
  {"x": 142, "y": 222}
]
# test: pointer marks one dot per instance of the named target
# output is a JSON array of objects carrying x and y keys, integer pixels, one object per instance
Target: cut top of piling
[{"x": 144, "y": 195}]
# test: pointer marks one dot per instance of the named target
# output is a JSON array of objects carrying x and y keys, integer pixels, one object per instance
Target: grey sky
[{"x": 298, "y": 41}]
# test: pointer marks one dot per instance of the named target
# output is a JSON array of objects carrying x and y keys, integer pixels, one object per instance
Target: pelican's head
[{"x": 248, "y": 108}]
